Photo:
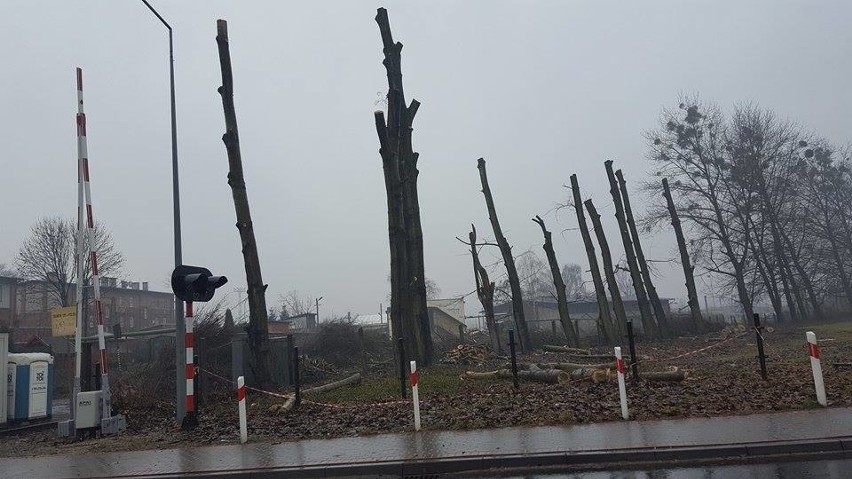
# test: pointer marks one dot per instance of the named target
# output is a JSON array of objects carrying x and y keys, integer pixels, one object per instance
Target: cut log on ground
[
  {"x": 569, "y": 367},
  {"x": 565, "y": 349},
  {"x": 353, "y": 379},
  {"x": 596, "y": 375},
  {"x": 551, "y": 376},
  {"x": 284, "y": 407}
]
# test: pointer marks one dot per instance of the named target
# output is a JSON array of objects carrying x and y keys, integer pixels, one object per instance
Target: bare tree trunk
[
  {"x": 407, "y": 270},
  {"x": 609, "y": 270},
  {"x": 659, "y": 312},
  {"x": 258, "y": 331},
  {"x": 485, "y": 292},
  {"x": 806, "y": 280},
  {"x": 604, "y": 317},
  {"x": 506, "y": 251},
  {"x": 648, "y": 322},
  {"x": 559, "y": 284},
  {"x": 688, "y": 269}
]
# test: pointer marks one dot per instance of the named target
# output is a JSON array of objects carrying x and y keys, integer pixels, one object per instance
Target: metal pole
[
  {"x": 401, "y": 351},
  {"x": 180, "y": 361},
  {"x": 760, "y": 356},
  {"x": 634, "y": 366},
  {"x": 296, "y": 381},
  {"x": 514, "y": 359}
]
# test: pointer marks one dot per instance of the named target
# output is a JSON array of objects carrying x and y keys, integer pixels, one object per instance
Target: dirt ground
[{"x": 723, "y": 380}]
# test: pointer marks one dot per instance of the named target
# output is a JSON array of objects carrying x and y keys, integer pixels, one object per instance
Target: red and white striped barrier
[
  {"x": 816, "y": 366},
  {"x": 86, "y": 244},
  {"x": 415, "y": 395},
  {"x": 241, "y": 404},
  {"x": 189, "y": 345},
  {"x": 622, "y": 389}
]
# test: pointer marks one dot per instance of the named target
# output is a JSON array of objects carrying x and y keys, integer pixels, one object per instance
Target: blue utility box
[{"x": 29, "y": 379}]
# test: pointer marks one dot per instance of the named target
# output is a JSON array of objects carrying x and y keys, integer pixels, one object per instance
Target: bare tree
[
  {"x": 6, "y": 271},
  {"x": 48, "y": 255},
  {"x": 294, "y": 304},
  {"x": 650, "y": 326},
  {"x": 558, "y": 284},
  {"x": 433, "y": 291},
  {"x": 609, "y": 269},
  {"x": 485, "y": 293},
  {"x": 694, "y": 307},
  {"x": 258, "y": 328},
  {"x": 399, "y": 160},
  {"x": 572, "y": 276},
  {"x": 508, "y": 261},
  {"x": 604, "y": 318}
]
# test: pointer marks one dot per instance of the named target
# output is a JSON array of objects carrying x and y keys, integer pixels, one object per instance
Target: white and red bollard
[
  {"x": 190, "y": 420},
  {"x": 813, "y": 352},
  {"x": 241, "y": 404},
  {"x": 622, "y": 389},
  {"x": 415, "y": 395}
]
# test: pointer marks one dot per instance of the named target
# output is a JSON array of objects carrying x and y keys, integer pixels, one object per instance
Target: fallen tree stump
[
  {"x": 551, "y": 376},
  {"x": 566, "y": 349}
]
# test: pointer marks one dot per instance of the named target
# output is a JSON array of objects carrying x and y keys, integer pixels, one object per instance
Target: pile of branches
[{"x": 467, "y": 354}]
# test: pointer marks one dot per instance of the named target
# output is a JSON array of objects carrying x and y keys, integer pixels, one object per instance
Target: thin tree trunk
[
  {"x": 609, "y": 270},
  {"x": 806, "y": 280},
  {"x": 485, "y": 292},
  {"x": 604, "y": 317},
  {"x": 559, "y": 284},
  {"x": 506, "y": 251},
  {"x": 688, "y": 269},
  {"x": 656, "y": 304},
  {"x": 395, "y": 138},
  {"x": 258, "y": 331},
  {"x": 650, "y": 326}
]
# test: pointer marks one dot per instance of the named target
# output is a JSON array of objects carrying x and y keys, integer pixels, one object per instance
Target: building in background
[{"x": 131, "y": 304}]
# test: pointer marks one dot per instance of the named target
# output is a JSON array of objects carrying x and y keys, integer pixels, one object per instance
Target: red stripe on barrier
[
  {"x": 190, "y": 371},
  {"x": 241, "y": 393},
  {"x": 619, "y": 365},
  {"x": 90, "y": 218},
  {"x": 100, "y": 310},
  {"x": 414, "y": 378},
  {"x": 85, "y": 162},
  {"x": 81, "y": 124},
  {"x": 813, "y": 350},
  {"x": 103, "y": 361},
  {"x": 189, "y": 309},
  {"x": 189, "y": 341},
  {"x": 190, "y": 404},
  {"x": 79, "y": 79}
]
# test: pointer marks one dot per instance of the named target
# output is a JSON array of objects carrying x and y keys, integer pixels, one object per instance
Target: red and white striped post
[
  {"x": 241, "y": 405},
  {"x": 87, "y": 233},
  {"x": 190, "y": 420},
  {"x": 622, "y": 389},
  {"x": 415, "y": 396},
  {"x": 816, "y": 366}
]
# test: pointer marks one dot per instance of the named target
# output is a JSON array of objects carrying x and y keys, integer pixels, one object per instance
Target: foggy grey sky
[{"x": 541, "y": 89}]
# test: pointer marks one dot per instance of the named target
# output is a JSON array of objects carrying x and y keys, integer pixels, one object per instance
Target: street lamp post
[
  {"x": 318, "y": 300},
  {"x": 180, "y": 325}
]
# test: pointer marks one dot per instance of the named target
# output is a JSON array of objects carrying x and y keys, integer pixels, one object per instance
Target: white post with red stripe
[
  {"x": 415, "y": 395},
  {"x": 241, "y": 404},
  {"x": 190, "y": 420},
  {"x": 622, "y": 389},
  {"x": 813, "y": 352},
  {"x": 87, "y": 235}
]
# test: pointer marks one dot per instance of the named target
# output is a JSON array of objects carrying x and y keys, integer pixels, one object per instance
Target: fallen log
[
  {"x": 573, "y": 366},
  {"x": 594, "y": 357},
  {"x": 565, "y": 349},
  {"x": 596, "y": 375},
  {"x": 353, "y": 379},
  {"x": 284, "y": 407},
  {"x": 551, "y": 376}
]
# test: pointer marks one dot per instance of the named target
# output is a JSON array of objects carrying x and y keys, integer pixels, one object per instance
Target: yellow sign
[{"x": 63, "y": 321}]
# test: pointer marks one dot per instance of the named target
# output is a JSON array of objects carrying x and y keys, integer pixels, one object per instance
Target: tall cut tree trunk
[
  {"x": 609, "y": 270},
  {"x": 506, "y": 252},
  {"x": 648, "y": 323},
  {"x": 400, "y": 162},
  {"x": 485, "y": 292},
  {"x": 559, "y": 284},
  {"x": 606, "y": 324},
  {"x": 659, "y": 312},
  {"x": 258, "y": 330},
  {"x": 688, "y": 269}
]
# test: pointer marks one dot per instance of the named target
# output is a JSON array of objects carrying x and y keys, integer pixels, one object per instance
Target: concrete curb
[{"x": 574, "y": 460}]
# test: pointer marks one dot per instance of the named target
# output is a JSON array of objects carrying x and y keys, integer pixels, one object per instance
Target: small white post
[
  {"x": 415, "y": 396},
  {"x": 622, "y": 389},
  {"x": 813, "y": 352},
  {"x": 241, "y": 401}
]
